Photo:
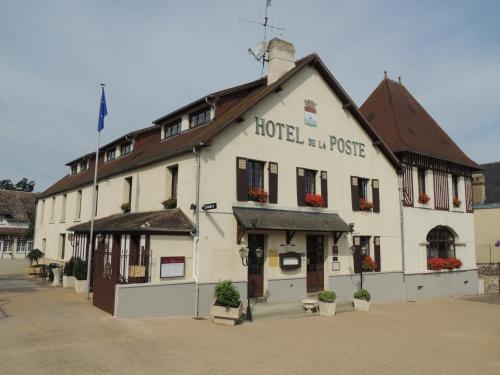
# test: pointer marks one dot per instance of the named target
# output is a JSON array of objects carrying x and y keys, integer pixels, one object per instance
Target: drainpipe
[
  {"x": 401, "y": 220},
  {"x": 196, "y": 233}
]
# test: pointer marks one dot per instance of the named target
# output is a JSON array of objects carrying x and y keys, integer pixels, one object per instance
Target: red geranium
[
  {"x": 365, "y": 205},
  {"x": 456, "y": 202},
  {"x": 314, "y": 200},
  {"x": 423, "y": 198},
  {"x": 258, "y": 195},
  {"x": 368, "y": 264},
  {"x": 437, "y": 264}
]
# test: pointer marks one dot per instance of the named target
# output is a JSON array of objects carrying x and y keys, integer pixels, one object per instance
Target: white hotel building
[{"x": 291, "y": 139}]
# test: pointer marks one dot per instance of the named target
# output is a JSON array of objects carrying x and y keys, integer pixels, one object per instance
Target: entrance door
[
  {"x": 255, "y": 266},
  {"x": 315, "y": 263}
]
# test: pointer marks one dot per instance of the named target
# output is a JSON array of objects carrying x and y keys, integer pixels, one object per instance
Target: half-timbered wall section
[
  {"x": 441, "y": 191},
  {"x": 407, "y": 177}
]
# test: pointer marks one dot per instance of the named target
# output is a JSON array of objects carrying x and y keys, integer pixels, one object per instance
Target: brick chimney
[
  {"x": 281, "y": 59},
  {"x": 478, "y": 188}
]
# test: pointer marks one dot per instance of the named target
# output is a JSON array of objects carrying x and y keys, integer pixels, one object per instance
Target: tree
[
  {"x": 7, "y": 185},
  {"x": 22, "y": 185},
  {"x": 25, "y": 185}
]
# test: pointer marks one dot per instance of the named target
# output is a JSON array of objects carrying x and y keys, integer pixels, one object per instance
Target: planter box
[
  {"x": 81, "y": 286},
  {"x": 224, "y": 316},
  {"x": 68, "y": 281},
  {"x": 361, "y": 305},
  {"x": 327, "y": 308}
]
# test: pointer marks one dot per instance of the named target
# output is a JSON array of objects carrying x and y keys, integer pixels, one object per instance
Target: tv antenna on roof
[{"x": 260, "y": 50}]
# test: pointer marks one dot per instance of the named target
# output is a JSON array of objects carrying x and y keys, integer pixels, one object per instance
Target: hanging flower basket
[
  {"x": 314, "y": 200},
  {"x": 437, "y": 264},
  {"x": 423, "y": 198},
  {"x": 258, "y": 195},
  {"x": 365, "y": 205},
  {"x": 456, "y": 202},
  {"x": 368, "y": 264}
]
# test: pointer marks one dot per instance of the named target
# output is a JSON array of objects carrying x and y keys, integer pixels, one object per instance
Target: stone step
[{"x": 287, "y": 310}]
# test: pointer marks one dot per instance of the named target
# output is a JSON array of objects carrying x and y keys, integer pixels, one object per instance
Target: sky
[{"x": 156, "y": 56}]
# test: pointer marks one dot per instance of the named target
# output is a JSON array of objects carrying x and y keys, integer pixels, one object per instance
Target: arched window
[{"x": 441, "y": 243}]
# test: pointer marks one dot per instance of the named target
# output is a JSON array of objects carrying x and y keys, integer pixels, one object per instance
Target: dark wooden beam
[
  {"x": 289, "y": 236},
  {"x": 336, "y": 237},
  {"x": 278, "y": 89},
  {"x": 240, "y": 232},
  {"x": 346, "y": 105}
]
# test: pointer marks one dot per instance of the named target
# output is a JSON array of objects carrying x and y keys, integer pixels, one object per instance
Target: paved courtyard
[{"x": 55, "y": 331}]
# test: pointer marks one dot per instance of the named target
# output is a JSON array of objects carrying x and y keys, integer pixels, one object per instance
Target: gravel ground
[{"x": 52, "y": 330}]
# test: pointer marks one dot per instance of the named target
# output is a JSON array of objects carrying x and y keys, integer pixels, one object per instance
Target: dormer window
[
  {"x": 172, "y": 129},
  {"x": 111, "y": 154},
  {"x": 200, "y": 117},
  {"x": 83, "y": 166},
  {"x": 74, "y": 169},
  {"x": 125, "y": 148}
]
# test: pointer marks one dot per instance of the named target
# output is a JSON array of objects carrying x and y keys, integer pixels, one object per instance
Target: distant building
[
  {"x": 16, "y": 208},
  {"x": 487, "y": 212}
]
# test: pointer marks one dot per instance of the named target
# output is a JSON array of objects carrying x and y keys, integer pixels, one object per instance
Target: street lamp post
[{"x": 245, "y": 254}]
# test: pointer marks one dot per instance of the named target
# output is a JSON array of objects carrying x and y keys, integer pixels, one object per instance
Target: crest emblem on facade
[{"x": 310, "y": 113}]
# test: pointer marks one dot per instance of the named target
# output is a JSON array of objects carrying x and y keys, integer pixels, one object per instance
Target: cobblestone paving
[{"x": 55, "y": 331}]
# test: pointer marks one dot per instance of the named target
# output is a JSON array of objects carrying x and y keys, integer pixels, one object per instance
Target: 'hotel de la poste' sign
[{"x": 291, "y": 133}]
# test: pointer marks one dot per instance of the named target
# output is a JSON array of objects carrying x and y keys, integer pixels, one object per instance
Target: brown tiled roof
[
  {"x": 153, "y": 151},
  {"x": 167, "y": 221},
  {"x": 407, "y": 127},
  {"x": 17, "y": 205}
]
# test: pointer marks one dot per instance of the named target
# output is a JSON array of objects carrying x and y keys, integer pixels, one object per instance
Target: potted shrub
[
  {"x": 227, "y": 307},
  {"x": 68, "y": 278},
  {"x": 456, "y": 202},
  {"x": 365, "y": 205},
  {"x": 169, "y": 203},
  {"x": 327, "y": 303},
  {"x": 125, "y": 207},
  {"x": 423, "y": 198},
  {"x": 314, "y": 200},
  {"x": 362, "y": 300},
  {"x": 368, "y": 264},
  {"x": 258, "y": 195},
  {"x": 80, "y": 274},
  {"x": 33, "y": 256}
]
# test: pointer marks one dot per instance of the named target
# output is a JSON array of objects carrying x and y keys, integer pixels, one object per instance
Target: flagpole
[{"x": 92, "y": 212}]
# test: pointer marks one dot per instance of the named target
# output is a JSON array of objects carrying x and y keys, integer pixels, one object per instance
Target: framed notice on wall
[{"x": 172, "y": 267}]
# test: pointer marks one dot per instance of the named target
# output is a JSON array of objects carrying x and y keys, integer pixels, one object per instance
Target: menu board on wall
[{"x": 172, "y": 267}]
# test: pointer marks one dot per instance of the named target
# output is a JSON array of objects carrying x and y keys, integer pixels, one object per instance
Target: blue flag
[{"x": 103, "y": 112}]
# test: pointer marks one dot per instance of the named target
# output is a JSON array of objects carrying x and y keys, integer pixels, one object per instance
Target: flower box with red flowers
[
  {"x": 314, "y": 200},
  {"x": 258, "y": 195},
  {"x": 423, "y": 198},
  {"x": 456, "y": 202},
  {"x": 437, "y": 264},
  {"x": 365, "y": 205},
  {"x": 368, "y": 264}
]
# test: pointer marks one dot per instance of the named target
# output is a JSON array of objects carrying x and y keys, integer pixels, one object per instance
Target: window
[
  {"x": 361, "y": 250},
  {"x": 52, "y": 209},
  {"x": 175, "y": 178},
  {"x": 310, "y": 181},
  {"x": 96, "y": 198},
  {"x": 421, "y": 181},
  {"x": 78, "y": 210},
  {"x": 172, "y": 129},
  {"x": 363, "y": 188},
  {"x": 441, "y": 243},
  {"x": 111, "y": 155},
  {"x": 255, "y": 174},
  {"x": 200, "y": 117},
  {"x": 22, "y": 245},
  {"x": 128, "y": 191},
  {"x": 454, "y": 186},
  {"x": 63, "y": 208},
  {"x": 74, "y": 169},
  {"x": 83, "y": 166},
  {"x": 125, "y": 148}
]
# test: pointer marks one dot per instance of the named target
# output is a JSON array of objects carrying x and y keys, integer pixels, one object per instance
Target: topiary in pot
[
  {"x": 69, "y": 267},
  {"x": 34, "y": 255},
  {"x": 227, "y": 307},
  {"x": 362, "y": 300},
  {"x": 80, "y": 269},
  {"x": 327, "y": 305}
]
